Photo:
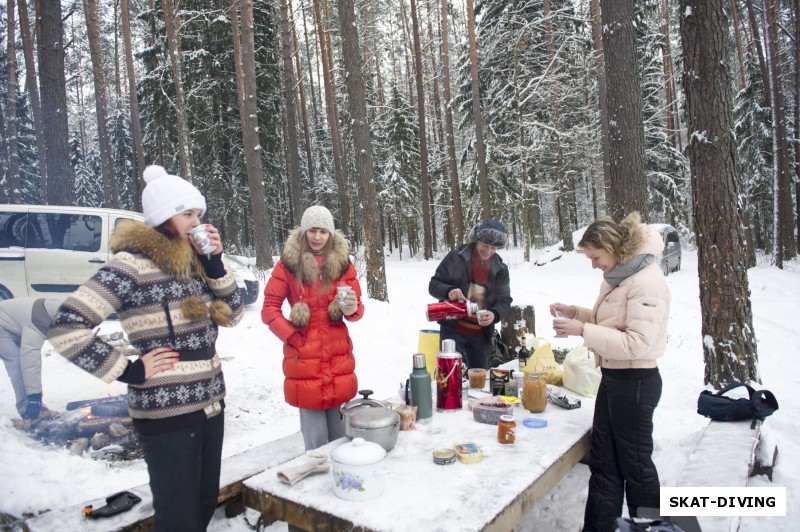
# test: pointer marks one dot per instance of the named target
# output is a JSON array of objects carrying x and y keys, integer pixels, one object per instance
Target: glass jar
[
  {"x": 506, "y": 429},
  {"x": 534, "y": 392}
]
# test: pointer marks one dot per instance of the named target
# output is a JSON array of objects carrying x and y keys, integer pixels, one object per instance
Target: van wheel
[
  {"x": 677, "y": 266},
  {"x": 5, "y": 293},
  {"x": 665, "y": 268}
]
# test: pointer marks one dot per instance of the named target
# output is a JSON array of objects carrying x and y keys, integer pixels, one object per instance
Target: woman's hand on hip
[{"x": 159, "y": 359}]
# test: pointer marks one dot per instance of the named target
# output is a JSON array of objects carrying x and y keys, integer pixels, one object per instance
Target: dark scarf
[{"x": 626, "y": 269}]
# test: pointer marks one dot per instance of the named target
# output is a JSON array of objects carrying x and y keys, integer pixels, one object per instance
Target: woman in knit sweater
[
  {"x": 318, "y": 360},
  {"x": 170, "y": 299},
  {"x": 627, "y": 331}
]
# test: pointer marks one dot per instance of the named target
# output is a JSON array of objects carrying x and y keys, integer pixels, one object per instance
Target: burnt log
[
  {"x": 110, "y": 410},
  {"x": 88, "y": 427},
  {"x": 116, "y": 400}
]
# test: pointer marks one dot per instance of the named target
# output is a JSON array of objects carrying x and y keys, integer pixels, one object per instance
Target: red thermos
[
  {"x": 451, "y": 310},
  {"x": 448, "y": 378}
]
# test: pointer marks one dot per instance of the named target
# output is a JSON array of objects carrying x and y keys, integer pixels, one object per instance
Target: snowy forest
[{"x": 412, "y": 120}]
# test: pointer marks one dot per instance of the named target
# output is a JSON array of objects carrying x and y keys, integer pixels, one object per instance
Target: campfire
[{"x": 100, "y": 426}]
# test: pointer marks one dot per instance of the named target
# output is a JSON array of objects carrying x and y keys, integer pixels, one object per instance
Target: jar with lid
[
  {"x": 506, "y": 429},
  {"x": 534, "y": 392}
]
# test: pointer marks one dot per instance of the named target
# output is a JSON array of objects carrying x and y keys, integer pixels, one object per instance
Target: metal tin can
[
  {"x": 451, "y": 310},
  {"x": 506, "y": 429},
  {"x": 448, "y": 381},
  {"x": 444, "y": 456}
]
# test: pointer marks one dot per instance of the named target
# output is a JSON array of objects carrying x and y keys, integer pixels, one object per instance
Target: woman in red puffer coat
[{"x": 318, "y": 360}]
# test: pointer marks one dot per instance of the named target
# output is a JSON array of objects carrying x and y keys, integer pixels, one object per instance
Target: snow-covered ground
[{"x": 34, "y": 478}]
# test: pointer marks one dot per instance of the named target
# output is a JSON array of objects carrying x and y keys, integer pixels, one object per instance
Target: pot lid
[
  {"x": 373, "y": 418},
  {"x": 358, "y": 452}
]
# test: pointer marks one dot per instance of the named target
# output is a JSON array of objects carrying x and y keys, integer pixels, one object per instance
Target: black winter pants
[
  {"x": 622, "y": 446},
  {"x": 184, "y": 467}
]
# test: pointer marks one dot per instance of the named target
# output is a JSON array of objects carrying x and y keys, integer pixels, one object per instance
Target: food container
[
  {"x": 490, "y": 414},
  {"x": 444, "y": 456},
  {"x": 358, "y": 470},
  {"x": 372, "y": 420},
  {"x": 468, "y": 453}
]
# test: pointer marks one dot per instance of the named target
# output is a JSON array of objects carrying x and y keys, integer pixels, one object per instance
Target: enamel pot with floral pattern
[{"x": 359, "y": 470}]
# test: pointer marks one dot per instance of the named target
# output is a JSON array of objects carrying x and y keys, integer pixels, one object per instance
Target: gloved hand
[{"x": 34, "y": 406}]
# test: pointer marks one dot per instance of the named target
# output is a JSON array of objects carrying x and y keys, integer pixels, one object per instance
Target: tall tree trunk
[
  {"x": 365, "y": 171},
  {"x": 739, "y": 52},
  {"x": 136, "y": 124},
  {"x": 172, "y": 28},
  {"x": 423, "y": 143},
  {"x": 671, "y": 110},
  {"x": 292, "y": 155},
  {"x": 452, "y": 164},
  {"x": 729, "y": 346},
  {"x": 483, "y": 179},
  {"x": 333, "y": 122},
  {"x": 110, "y": 190},
  {"x": 12, "y": 145},
  {"x": 762, "y": 62},
  {"x": 628, "y": 190},
  {"x": 796, "y": 113},
  {"x": 602, "y": 88},
  {"x": 312, "y": 186},
  {"x": 785, "y": 248},
  {"x": 60, "y": 176},
  {"x": 245, "y": 57},
  {"x": 32, "y": 86}
]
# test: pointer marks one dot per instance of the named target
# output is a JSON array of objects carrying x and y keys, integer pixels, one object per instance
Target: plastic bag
[
  {"x": 542, "y": 361},
  {"x": 581, "y": 375}
]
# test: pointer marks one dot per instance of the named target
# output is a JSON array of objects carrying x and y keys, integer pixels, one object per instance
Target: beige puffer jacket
[{"x": 627, "y": 328}]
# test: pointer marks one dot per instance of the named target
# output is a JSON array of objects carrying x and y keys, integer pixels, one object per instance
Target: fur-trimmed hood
[
  {"x": 297, "y": 257},
  {"x": 174, "y": 256},
  {"x": 635, "y": 237}
]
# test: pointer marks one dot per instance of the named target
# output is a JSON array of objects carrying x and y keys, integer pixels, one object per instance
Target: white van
[{"x": 49, "y": 249}]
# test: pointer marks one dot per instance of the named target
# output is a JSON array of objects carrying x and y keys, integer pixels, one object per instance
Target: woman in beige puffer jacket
[{"x": 627, "y": 331}]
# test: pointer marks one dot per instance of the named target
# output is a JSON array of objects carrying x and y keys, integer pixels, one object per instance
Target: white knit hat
[
  {"x": 317, "y": 216},
  {"x": 166, "y": 195}
]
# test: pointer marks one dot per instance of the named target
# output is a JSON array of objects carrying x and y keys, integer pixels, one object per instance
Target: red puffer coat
[{"x": 318, "y": 360}]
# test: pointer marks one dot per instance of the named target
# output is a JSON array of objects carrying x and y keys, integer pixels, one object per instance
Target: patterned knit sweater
[{"x": 164, "y": 295}]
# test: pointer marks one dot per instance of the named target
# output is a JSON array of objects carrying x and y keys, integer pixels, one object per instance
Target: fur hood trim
[
  {"x": 172, "y": 255},
  {"x": 634, "y": 237},
  {"x": 296, "y": 257}
]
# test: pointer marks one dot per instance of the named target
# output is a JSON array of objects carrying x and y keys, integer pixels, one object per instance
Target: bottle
[
  {"x": 523, "y": 354},
  {"x": 421, "y": 388}
]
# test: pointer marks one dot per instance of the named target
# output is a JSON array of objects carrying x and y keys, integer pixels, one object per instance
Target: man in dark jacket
[{"x": 475, "y": 272}]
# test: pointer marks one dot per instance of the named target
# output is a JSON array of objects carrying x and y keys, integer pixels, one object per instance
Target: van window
[
  {"x": 76, "y": 232},
  {"x": 12, "y": 229}
]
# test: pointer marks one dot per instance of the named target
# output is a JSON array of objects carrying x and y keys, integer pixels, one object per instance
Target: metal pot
[{"x": 372, "y": 420}]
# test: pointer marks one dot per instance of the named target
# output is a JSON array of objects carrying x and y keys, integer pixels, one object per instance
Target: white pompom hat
[{"x": 166, "y": 195}]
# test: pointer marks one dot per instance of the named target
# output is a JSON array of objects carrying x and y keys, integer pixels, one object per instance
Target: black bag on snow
[{"x": 717, "y": 406}]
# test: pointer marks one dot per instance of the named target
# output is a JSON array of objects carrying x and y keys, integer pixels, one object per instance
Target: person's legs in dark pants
[
  {"x": 184, "y": 467},
  {"x": 634, "y": 434},
  {"x": 478, "y": 350},
  {"x": 604, "y": 503},
  {"x": 213, "y": 434}
]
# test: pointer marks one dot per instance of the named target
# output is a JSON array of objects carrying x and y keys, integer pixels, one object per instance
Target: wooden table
[{"x": 493, "y": 494}]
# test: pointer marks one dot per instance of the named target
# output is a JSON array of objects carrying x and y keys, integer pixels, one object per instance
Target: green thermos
[{"x": 421, "y": 395}]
